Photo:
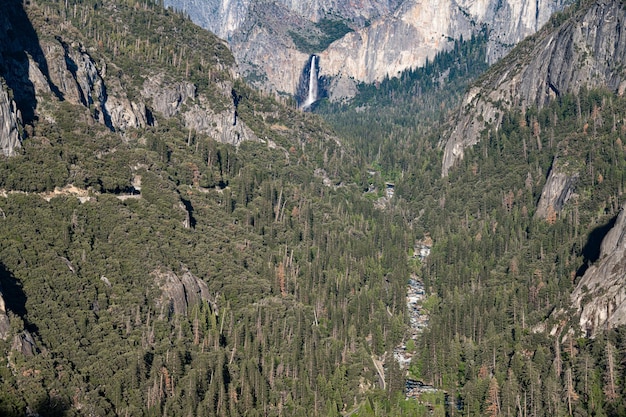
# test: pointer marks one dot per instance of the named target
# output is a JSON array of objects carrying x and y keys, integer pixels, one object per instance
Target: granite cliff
[
  {"x": 9, "y": 132},
  {"x": 600, "y": 296},
  {"x": 586, "y": 50},
  {"x": 226, "y": 18},
  {"x": 420, "y": 29},
  {"x": 557, "y": 191},
  {"x": 387, "y": 38}
]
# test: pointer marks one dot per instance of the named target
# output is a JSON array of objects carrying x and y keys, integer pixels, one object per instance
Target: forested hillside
[
  {"x": 502, "y": 271},
  {"x": 216, "y": 256}
]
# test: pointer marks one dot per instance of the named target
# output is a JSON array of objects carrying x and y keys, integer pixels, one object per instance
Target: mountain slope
[
  {"x": 516, "y": 266},
  {"x": 585, "y": 52}
]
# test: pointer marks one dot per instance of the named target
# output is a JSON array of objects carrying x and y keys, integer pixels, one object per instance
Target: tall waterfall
[{"x": 312, "y": 90}]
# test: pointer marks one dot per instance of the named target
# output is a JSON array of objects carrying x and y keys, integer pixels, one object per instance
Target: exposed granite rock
[
  {"x": 173, "y": 293},
  {"x": 16, "y": 91},
  {"x": 509, "y": 22},
  {"x": 18, "y": 44},
  {"x": 196, "y": 290},
  {"x": 342, "y": 88},
  {"x": 226, "y": 17},
  {"x": 587, "y": 50},
  {"x": 123, "y": 113},
  {"x": 265, "y": 50},
  {"x": 167, "y": 98},
  {"x": 180, "y": 293},
  {"x": 78, "y": 80},
  {"x": 172, "y": 98},
  {"x": 557, "y": 191},
  {"x": 600, "y": 295},
  {"x": 40, "y": 82},
  {"x": 224, "y": 127},
  {"x": 74, "y": 73},
  {"x": 9, "y": 122},
  {"x": 5, "y": 326},
  {"x": 419, "y": 29},
  {"x": 50, "y": 68},
  {"x": 24, "y": 343}
]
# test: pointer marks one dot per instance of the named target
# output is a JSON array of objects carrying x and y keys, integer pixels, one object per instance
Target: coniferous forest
[{"x": 156, "y": 270}]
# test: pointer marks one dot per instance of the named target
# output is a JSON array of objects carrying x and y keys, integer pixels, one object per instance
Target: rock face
[
  {"x": 265, "y": 50},
  {"x": 181, "y": 98},
  {"x": 9, "y": 122},
  {"x": 421, "y": 28},
  {"x": 167, "y": 98},
  {"x": 586, "y": 50},
  {"x": 557, "y": 191},
  {"x": 24, "y": 343},
  {"x": 5, "y": 326},
  {"x": 180, "y": 293},
  {"x": 74, "y": 76},
  {"x": 226, "y": 17},
  {"x": 34, "y": 69},
  {"x": 600, "y": 296},
  {"x": 224, "y": 127},
  {"x": 390, "y": 36},
  {"x": 397, "y": 42}
]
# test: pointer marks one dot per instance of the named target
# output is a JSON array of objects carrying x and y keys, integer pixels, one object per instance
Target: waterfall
[{"x": 312, "y": 91}]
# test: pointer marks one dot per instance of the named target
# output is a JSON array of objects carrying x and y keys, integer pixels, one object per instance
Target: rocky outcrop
[
  {"x": 342, "y": 88},
  {"x": 167, "y": 98},
  {"x": 9, "y": 122},
  {"x": 5, "y": 326},
  {"x": 24, "y": 343},
  {"x": 557, "y": 191},
  {"x": 600, "y": 295},
  {"x": 181, "y": 98},
  {"x": 224, "y": 127},
  {"x": 74, "y": 74},
  {"x": 586, "y": 50},
  {"x": 123, "y": 113},
  {"x": 77, "y": 79},
  {"x": 180, "y": 293}
]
